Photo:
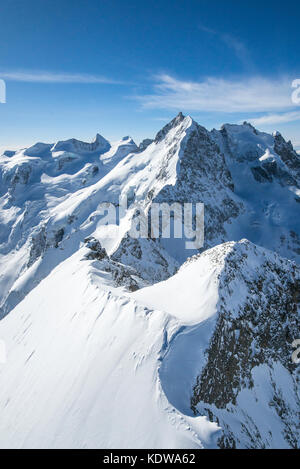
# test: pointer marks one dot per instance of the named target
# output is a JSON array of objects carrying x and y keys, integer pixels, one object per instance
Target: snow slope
[
  {"x": 232, "y": 360},
  {"x": 91, "y": 365},
  {"x": 82, "y": 369}
]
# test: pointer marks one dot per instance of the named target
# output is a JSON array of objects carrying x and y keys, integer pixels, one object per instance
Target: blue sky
[{"x": 74, "y": 68}]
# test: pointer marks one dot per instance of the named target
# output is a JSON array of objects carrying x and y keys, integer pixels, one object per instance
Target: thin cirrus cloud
[
  {"x": 233, "y": 43},
  {"x": 220, "y": 95},
  {"x": 276, "y": 118},
  {"x": 54, "y": 77}
]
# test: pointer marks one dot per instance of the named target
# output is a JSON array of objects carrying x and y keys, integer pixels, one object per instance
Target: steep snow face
[
  {"x": 64, "y": 188},
  {"x": 183, "y": 295},
  {"x": 232, "y": 360},
  {"x": 83, "y": 368},
  {"x": 118, "y": 150},
  {"x": 201, "y": 360}
]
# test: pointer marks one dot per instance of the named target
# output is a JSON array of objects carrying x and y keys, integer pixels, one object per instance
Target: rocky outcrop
[
  {"x": 100, "y": 145},
  {"x": 203, "y": 177},
  {"x": 122, "y": 275},
  {"x": 287, "y": 153},
  {"x": 258, "y": 319}
]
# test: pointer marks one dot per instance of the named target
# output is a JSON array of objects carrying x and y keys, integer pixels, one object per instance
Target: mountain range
[{"x": 121, "y": 342}]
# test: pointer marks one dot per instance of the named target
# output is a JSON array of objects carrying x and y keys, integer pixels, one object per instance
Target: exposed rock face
[
  {"x": 144, "y": 144},
  {"x": 164, "y": 131},
  {"x": 204, "y": 177},
  {"x": 38, "y": 246},
  {"x": 151, "y": 262},
  {"x": 271, "y": 158},
  {"x": 100, "y": 145},
  {"x": 96, "y": 250},
  {"x": 258, "y": 319},
  {"x": 287, "y": 153},
  {"x": 122, "y": 275}
]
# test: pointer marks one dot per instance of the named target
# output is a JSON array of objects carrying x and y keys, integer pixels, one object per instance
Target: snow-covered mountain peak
[
  {"x": 127, "y": 139},
  {"x": 39, "y": 149},
  {"x": 9, "y": 153},
  {"x": 99, "y": 144},
  {"x": 118, "y": 150},
  {"x": 237, "y": 307},
  {"x": 179, "y": 122},
  {"x": 242, "y": 141},
  {"x": 238, "y": 128}
]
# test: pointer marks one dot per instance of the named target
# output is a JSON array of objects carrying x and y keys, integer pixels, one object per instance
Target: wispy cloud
[
  {"x": 235, "y": 44},
  {"x": 276, "y": 118},
  {"x": 54, "y": 77},
  {"x": 219, "y": 95},
  {"x": 163, "y": 119}
]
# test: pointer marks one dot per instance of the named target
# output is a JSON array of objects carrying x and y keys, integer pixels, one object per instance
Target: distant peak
[
  {"x": 39, "y": 149},
  {"x": 77, "y": 146},
  {"x": 9, "y": 153},
  {"x": 239, "y": 127},
  {"x": 128, "y": 140}
]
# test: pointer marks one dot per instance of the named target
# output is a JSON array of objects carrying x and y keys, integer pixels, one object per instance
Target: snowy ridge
[
  {"x": 67, "y": 355},
  {"x": 239, "y": 306}
]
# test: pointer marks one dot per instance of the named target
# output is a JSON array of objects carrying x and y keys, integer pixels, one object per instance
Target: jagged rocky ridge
[{"x": 249, "y": 183}]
